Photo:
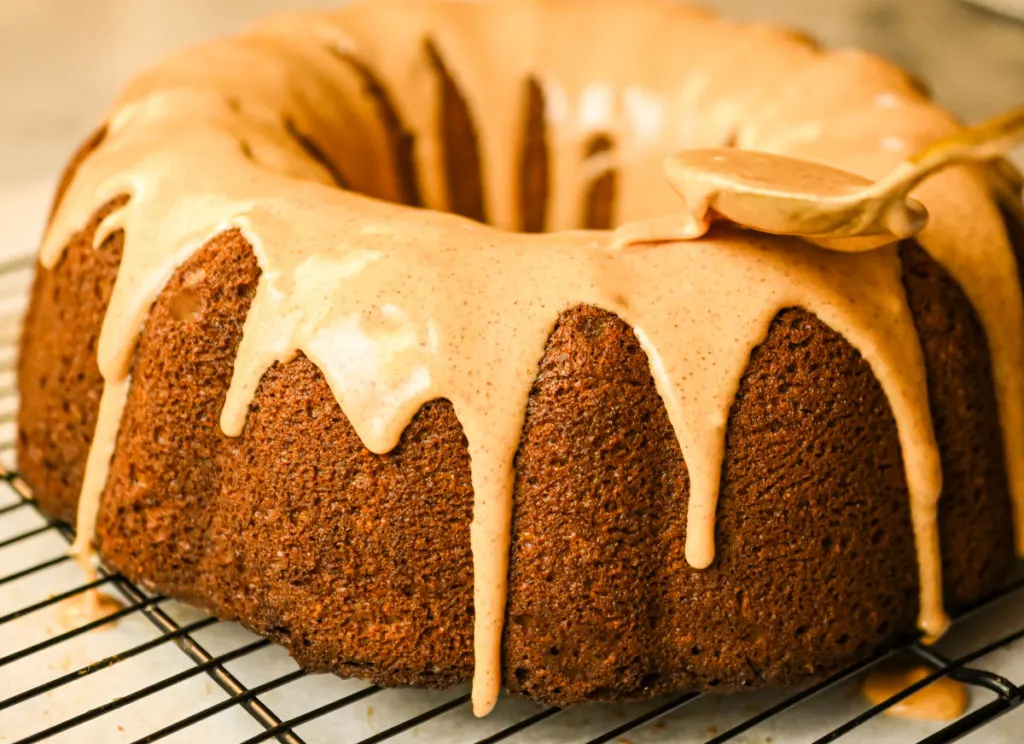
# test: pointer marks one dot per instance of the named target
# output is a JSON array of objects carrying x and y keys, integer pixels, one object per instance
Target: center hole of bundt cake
[{"x": 458, "y": 132}]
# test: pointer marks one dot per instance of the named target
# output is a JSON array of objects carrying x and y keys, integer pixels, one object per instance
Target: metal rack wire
[{"x": 16, "y": 501}]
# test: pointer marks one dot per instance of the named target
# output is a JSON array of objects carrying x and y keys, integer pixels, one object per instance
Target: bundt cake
[{"x": 337, "y": 332}]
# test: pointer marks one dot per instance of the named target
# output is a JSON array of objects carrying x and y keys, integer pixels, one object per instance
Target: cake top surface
[{"x": 398, "y": 306}]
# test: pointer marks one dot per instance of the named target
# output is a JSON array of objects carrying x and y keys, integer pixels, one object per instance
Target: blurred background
[{"x": 62, "y": 61}]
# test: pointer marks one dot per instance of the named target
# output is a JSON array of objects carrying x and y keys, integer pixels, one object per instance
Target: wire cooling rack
[{"x": 153, "y": 670}]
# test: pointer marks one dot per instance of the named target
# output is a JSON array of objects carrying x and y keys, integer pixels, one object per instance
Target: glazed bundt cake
[{"x": 337, "y": 332}]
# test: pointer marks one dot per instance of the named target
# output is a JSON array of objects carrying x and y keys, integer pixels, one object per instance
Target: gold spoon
[{"x": 830, "y": 207}]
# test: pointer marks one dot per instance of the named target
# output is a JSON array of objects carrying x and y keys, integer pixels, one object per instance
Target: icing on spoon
[{"x": 830, "y": 207}]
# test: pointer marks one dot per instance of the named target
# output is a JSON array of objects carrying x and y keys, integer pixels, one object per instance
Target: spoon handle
[{"x": 983, "y": 141}]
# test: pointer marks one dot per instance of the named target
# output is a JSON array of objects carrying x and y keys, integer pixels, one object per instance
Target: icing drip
[
  {"x": 944, "y": 699},
  {"x": 399, "y": 306},
  {"x": 115, "y": 394},
  {"x": 90, "y": 605}
]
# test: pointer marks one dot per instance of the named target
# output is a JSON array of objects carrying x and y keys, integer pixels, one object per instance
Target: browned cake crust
[{"x": 360, "y": 564}]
